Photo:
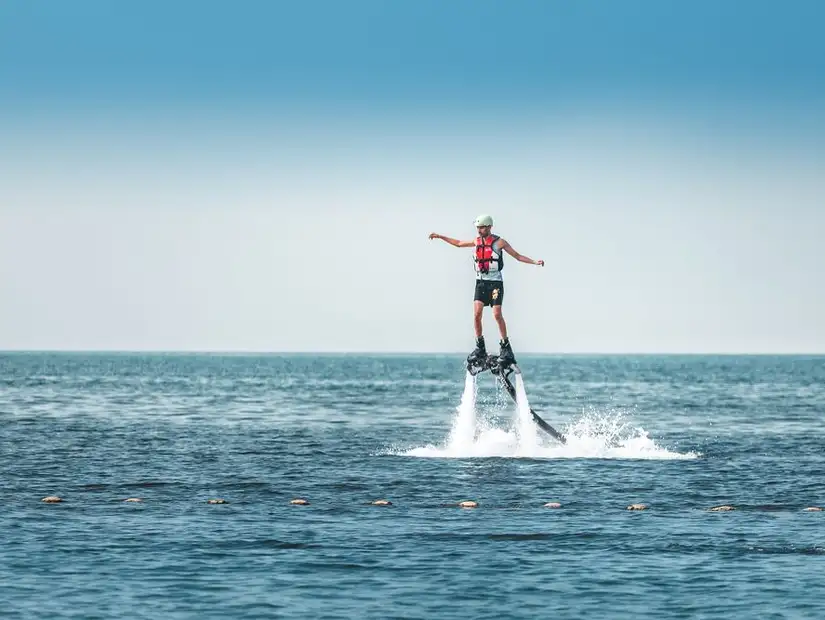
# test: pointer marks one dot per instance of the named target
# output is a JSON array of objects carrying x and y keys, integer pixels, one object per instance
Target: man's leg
[
  {"x": 502, "y": 325},
  {"x": 505, "y": 355},
  {"x": 477, "y": 358},
  {"x": 478, "y": 308}
]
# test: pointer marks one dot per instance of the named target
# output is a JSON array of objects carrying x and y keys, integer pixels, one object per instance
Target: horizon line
[{"x": 407, "y": 353}]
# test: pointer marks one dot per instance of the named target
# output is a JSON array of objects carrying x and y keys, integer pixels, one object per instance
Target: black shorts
[{"x": 489, "y": 292}]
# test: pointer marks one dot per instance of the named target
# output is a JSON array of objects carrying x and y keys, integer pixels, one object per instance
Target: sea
[{"x": 253, "y": 482}]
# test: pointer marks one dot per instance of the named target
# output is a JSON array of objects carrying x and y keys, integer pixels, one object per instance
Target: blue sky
[
  {"x": 174, "y": 173},
  {"x": 511, "y": 51}
]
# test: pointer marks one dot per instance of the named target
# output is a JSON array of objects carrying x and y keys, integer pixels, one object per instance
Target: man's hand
[
  {"x": 435, "y": 236},
  {"x": 540, "y": 263}
]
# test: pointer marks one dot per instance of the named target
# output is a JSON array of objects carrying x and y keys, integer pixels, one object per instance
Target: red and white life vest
[{"x": 487, "y": 258}]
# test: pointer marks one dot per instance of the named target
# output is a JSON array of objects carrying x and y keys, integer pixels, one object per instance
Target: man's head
[{"x": 483, "y": 225}]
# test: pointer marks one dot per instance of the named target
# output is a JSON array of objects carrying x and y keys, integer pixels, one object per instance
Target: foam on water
[{"x": 604, "y": 435}]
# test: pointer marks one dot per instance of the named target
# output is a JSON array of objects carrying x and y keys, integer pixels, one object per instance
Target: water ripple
[{"x": 681, "y": 434}]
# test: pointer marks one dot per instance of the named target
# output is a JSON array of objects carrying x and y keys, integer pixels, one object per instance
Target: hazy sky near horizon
[{"x": 263, "y": 176}]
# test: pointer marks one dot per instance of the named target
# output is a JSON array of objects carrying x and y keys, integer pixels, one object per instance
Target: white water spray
[
  {"x": 599, "y": 434},
  {"x": 526, "y": 430},
  {"x": 463, "y": 431}
]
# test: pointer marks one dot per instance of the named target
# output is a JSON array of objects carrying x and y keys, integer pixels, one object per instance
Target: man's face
[{"x": 483, "y": 231}]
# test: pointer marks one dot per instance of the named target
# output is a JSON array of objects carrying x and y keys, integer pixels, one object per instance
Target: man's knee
[{"x": 497, "y": 313}]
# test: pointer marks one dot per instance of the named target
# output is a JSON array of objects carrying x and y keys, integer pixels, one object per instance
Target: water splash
[
  {"x": 526, "y": 430},
  {"x": 463, "y": 430},
  {"x": 595, "y": 434},
  {"x": 609, "y": 434}
]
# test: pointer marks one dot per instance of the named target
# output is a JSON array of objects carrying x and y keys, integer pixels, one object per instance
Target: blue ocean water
[{"x": 681, "y": 434}]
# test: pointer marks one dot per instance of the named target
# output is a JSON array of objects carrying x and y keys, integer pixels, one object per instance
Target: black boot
[
  {"x": 505, "y": 354},
  {"x": 479, "y": 354}
]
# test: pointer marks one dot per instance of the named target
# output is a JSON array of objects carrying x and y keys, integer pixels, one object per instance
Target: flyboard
[{"x": 491, "y": 363}]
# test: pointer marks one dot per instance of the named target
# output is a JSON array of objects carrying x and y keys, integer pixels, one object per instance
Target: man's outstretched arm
[
  {"x": 519, "y": 257},
  {"x": 455, "y": 242}
]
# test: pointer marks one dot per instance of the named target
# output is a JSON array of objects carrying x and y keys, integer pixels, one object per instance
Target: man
[{"x": 489, "y": 261}]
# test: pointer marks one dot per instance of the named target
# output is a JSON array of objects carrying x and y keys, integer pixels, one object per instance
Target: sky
[{"x": 263, "y": 176}]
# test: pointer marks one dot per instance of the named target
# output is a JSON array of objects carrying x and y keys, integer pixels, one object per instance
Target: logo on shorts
[{"x": 495, "y": 293}]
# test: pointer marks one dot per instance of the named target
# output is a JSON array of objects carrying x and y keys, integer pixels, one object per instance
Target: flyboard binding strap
[{"x": 478, "y": 365}]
